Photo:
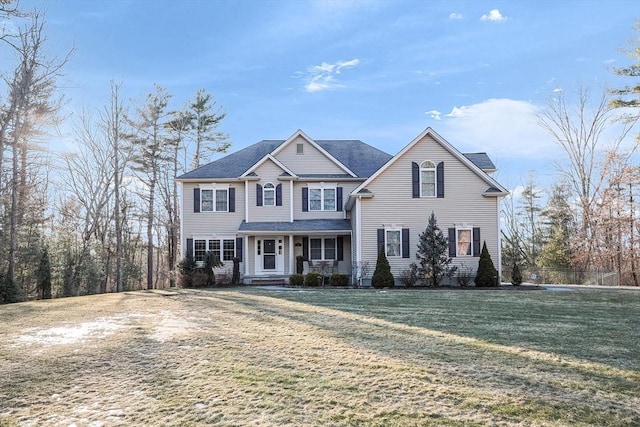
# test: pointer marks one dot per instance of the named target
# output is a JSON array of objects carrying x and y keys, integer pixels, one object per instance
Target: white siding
[{"x": 393, "y": 204}]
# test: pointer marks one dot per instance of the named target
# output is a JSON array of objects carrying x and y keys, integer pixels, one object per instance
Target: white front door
[{"x": 270, "y": 255}]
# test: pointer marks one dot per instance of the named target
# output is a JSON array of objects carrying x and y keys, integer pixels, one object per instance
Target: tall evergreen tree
[
  {"x": 487, "y": 274},
  {"x": 206, "y": 118},
  {"x": 44, "y": 275},
  {"x": 151, "y": 154},
  {"x": 382, "y": 276},
  {"x": 433, "y": 254}
]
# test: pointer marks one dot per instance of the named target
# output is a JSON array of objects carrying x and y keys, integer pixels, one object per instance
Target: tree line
[
  {"x": 103, "y": 217},
  {"x": 588, "y": 219}
]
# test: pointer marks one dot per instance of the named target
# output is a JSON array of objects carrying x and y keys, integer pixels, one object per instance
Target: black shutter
[
  {"x": 415, "y": 179},
  {"x": 305, "y": 199},
  {"x": 339, "y": 198},
  {"x": 196, "y": 200},
  {"x": 239, "y": 241},
  {"x": 476, "y": 241},
  {"x": 340, "y": 243},
  {"x": 189, "y": 247},
  {"x": 232, "y": 199},
  {"x": 380, "y": 239},
  {"x": 305, "y": 248},
  {"x": 440, "y": 180},
  {"x": 258, "y": 195},
  {"x": 452, "y": 242},
  {"x": 405, "y": 243},
  {"x": 279, "y": 195}
]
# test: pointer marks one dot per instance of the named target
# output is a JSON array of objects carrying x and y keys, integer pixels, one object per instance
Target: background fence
[{"x": 570, "y": 276}]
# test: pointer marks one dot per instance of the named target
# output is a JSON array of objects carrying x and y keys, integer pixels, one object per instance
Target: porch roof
[{"x": 300, "y": 226}]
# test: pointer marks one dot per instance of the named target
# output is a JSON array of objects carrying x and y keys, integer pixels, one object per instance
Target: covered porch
[{"x": 271, "y": 248}]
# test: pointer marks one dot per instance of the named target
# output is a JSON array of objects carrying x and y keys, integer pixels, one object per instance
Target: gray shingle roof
[
  {"x": 362, "y": 159},
  {"x": 481, "y": 160},
  {"x": 302, "y": 225},
  {"x": 234, "y": 164}
]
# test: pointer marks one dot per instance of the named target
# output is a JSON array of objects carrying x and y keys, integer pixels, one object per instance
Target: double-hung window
[
  {"x": 223, "y": 249},
  {"x": 393, "y": 242},
  {"x": 322, "y": 248},
  {"x": 214, "y": 200},
  {"x": 322, "y": 199},
  {"x": 269, "y": 194},
  {"x": 463, "y": 241}
]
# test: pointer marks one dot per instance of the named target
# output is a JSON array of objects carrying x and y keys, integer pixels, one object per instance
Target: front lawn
[{"x": 253, "y": 356}]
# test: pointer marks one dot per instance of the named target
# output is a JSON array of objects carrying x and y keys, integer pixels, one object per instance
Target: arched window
[
  {"x": 427, "y": 179},
  {"x": 269, "y": 194}
]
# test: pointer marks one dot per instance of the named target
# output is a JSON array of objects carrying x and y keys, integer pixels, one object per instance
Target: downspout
[
  {"x": 180, "y": 194},
  {"x": 499, "y": 241},
  {"x": 359, "y": 240}
]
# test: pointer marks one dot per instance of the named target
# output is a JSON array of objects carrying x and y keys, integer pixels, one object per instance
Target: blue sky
[{"x": 378, "y": 71}]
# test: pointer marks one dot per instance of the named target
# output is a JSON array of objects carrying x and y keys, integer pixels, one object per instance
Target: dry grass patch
[{"x": 325, "y": 357}]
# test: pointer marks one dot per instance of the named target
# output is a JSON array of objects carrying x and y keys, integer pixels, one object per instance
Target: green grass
[{"x": 252, "y": 356}]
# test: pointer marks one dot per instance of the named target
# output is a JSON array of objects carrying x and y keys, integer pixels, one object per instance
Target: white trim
[
  {"x": 291, "y": 255},
  {"x": 246, "y": 201},
  {"x": 300, "y": 133},
  {"x": 183, "y": 253},
  {"x": 323, "y": 247},
  {"x": 291, "y": 201},
  {"x": 264, "y": 159},
  {"x": 271, "y": 189},
  {"x": 399, "y": 230},
  {"x": 446, "y": 145},
  {"x": 259, "y": 258},
  {"x": 434, "y": 169},
  {"x": 358, "y": 237},
  {"x": 470, "y": 230},
  {"x": 499, "y": 242},
  {"x": 322, "y": 186}
]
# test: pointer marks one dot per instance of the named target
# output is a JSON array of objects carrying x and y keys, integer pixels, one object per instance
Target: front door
[{"x": 270, "y": 255}]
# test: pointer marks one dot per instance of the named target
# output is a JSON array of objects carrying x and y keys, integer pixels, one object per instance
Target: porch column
[{"x": 292, "y": 265}]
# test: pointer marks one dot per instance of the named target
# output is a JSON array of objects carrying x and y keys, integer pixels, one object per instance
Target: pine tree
[
  {"x": 433, "y": 254},
  {"x": 44, "y": 275},
  {"x": 628, "y": 96},
  {"x": 382, "y": 277},
  {"x": 487, "y": 274}
]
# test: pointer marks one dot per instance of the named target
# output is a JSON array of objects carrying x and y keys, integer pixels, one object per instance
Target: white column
[{"x": 292, "y": 266}]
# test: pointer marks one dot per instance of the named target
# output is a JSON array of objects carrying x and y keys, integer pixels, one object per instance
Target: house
[{"x": 335, "y": 202}]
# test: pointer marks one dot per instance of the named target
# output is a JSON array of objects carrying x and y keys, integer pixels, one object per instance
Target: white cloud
[
  {"x": 493, "y": 15},
  {"x": 502, "y": 127},
  {"x": 321, "y": 77},
  {"x": 434, "y": 114},
  {"x": 455, "y": 16}
]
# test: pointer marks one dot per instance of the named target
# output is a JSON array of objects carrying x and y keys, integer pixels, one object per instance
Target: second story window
[
  {"x": 322, "y": 199},
  {"x": 269, "y": 194},
  {"x": 427, "y": 179},
  {"x": 214, "y": 200}
]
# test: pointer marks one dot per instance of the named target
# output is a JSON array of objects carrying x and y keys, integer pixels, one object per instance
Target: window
[
  {"x": 214, "y": 198},
  {"x": 224, "y": 249},
  {"x": 463, "y": 242},
  {"x": 427, "y": 179},
  {"x": 269, "y": 194},
  {"x": 392, "y": 243},
  {"x": 229, "y": 250},
  {"x": 322, "y": 249},
  {"x": 299, "y": 148},
  {"x": 221, "y": 200},
  {"x": 206, "y": 201},
  {"x": 322, "y": 199},
  {"x": 199, "y": 250}
]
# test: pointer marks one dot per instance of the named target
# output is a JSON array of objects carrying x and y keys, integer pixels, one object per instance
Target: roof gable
[
  {"x": 448, "y": 147},
  {"x": 299, "y": 134}
]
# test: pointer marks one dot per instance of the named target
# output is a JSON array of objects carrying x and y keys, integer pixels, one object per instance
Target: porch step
[{"x": 268, "y": 282}]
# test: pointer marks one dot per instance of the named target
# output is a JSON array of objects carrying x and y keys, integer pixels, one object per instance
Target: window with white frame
[
  {"x": 269, "y": 195},
  {"x": 322, "y": 199},
  {"x": 323, "y": 248},
  {"x": 427, "y": 179},
  {"x": 393, "y": 242},
  {"x": 214, "y": 200},
  {"x": 464, "y": 241},
  {"x": 223, "y": 249}
]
